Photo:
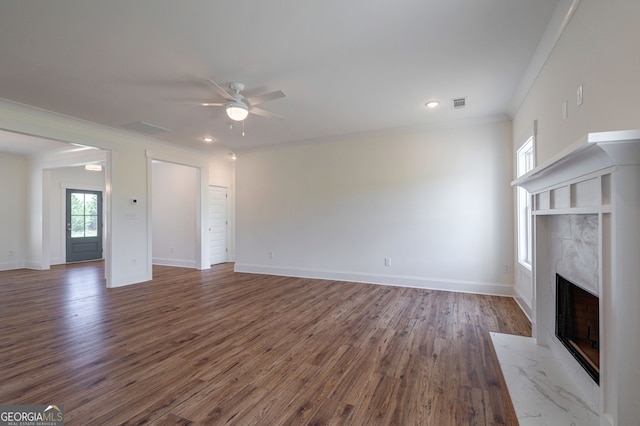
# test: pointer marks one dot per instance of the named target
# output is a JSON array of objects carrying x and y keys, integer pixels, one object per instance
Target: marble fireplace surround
[{"x": 587, "y": 228}]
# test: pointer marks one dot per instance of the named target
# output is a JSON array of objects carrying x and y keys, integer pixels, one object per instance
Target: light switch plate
[{"x": 579, "y": 96}]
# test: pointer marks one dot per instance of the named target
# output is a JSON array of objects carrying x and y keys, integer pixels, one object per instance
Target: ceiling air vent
[
  {"x": 459, "y": 103},
  {"x": 146, "y": 128}
]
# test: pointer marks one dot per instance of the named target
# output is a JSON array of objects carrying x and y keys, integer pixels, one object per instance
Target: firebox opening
[{"x": 578, "y": 324}]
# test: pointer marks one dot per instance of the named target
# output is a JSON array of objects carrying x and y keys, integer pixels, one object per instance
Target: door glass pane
[
  {"x": 91, "y": 226},
  {"x": 77, "y": 204},
  {"x": 91, "y": 204},
  {"x": 77, "y": 226}
]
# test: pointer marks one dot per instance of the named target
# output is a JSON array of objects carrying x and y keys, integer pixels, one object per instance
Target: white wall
[
  {"x": 13, "y": 210},
  {"x": 222, "y": 170},
  {"x": 598, "y": 49},
  {"x": 437, "y": 202},
  {"x": 174, "y": 213},
  {"x": 61, "y": 179}
]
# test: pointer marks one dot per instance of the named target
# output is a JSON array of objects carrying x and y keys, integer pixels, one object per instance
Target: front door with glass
[{"x": 83, "y": 225}]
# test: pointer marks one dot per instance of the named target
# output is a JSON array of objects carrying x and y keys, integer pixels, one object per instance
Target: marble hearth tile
[{"x": 541, "y": 391}]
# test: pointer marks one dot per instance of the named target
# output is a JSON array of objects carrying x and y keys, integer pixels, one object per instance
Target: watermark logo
[{"x": 31, "y": 415}]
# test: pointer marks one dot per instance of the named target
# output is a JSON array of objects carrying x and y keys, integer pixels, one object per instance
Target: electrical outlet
[
  {"x": 579, "y": 96},
  {"x": 506, "y": 269},
  {"x": 271, "y": 255},
  {"x": 387, "y": 261},
  {"x": 565, "y": 110}
]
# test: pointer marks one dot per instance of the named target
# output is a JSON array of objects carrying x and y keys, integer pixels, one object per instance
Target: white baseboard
[
  {"x": 494, "y": 289},
  {"x": 14, "y": 264},
  {"x": 32, "y": 264},
  {"x": 125, "y": 280},
  {"x": 57, "y": 261},
  {"x": 524, "y": 305},
  {"x": 180, "y": 263}
]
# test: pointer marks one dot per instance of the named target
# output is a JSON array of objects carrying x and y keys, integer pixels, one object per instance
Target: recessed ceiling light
[
  {"x": 432, "y": 104},
  {"x": 207, "y": 139}
]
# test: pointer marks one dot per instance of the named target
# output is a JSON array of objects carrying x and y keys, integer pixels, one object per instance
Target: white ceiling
[
  {"x": 17, "y": 143},
  {"x": 345, "y": 66}
]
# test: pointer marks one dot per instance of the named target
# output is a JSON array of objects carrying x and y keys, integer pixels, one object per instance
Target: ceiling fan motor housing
[{"x": 237, "y": 87}]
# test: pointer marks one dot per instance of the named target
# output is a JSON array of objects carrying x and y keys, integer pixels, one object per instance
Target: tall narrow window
[{"x": 524, "y": 164}]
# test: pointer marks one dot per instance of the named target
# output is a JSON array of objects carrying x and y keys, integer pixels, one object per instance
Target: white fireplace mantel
[
  {"x": 591, "y": 153},
  {"x": 597, "y": 176}
]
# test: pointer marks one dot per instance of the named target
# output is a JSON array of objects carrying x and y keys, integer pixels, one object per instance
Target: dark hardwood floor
[{"x": 218, "y": 347}]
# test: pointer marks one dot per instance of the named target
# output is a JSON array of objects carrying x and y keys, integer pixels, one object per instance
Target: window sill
[{"x": 525, "y": 265}]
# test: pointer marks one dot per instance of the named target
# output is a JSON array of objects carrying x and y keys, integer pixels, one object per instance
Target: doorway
[{"x": 83, "y": 225}]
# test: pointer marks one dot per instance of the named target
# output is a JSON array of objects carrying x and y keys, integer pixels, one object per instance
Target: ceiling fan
[{"x": 238, "y": 107}]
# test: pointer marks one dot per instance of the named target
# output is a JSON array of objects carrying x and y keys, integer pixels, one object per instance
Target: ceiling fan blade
[
  {"x": 257, "y": 100},
  {"x": 212, "y": 104},
  {"x": 264, "y": 113},
  {"x": 220, "y": 90}
]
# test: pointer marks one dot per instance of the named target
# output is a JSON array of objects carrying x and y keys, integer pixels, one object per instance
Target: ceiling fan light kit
[{"x": 237, "y": 111}]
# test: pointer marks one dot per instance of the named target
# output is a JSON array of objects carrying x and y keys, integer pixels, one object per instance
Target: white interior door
[{"x": 217, "y": 224}]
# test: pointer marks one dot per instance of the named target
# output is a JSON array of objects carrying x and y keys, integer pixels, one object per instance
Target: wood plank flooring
[{"x": 218, "y": 347}]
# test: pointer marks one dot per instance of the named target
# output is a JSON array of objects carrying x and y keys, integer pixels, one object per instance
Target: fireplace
[
  {"x": 585, "y": 212},
  {"x": 578, "y": 324}
]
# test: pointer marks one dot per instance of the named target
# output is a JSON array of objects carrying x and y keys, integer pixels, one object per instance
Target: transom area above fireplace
[{"x": 586, "y": 221}]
